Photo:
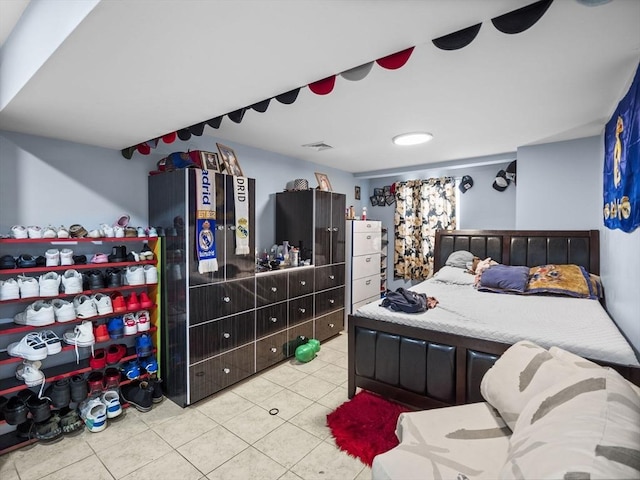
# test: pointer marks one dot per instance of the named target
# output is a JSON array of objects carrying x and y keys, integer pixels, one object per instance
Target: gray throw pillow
[{"x": 459, "y": 259}]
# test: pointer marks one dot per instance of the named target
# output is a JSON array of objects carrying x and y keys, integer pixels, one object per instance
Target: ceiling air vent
[{"x": 318, "y": 146}]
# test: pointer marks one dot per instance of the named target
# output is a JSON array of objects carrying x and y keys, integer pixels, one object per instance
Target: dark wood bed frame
[{"x": 428, "y": 369}]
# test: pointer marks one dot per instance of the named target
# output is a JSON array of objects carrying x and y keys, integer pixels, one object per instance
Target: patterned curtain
[{"x": 422, "y": 207}]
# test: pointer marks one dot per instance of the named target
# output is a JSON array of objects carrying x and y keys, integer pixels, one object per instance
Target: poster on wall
[{"x": 621, "y": 177}]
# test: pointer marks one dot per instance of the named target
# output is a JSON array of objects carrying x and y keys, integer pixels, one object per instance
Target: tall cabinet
[
  {"x": 363, "y": 263},
  {"x": 313, "y": 220},
  {"x": 209, "y": 319}
]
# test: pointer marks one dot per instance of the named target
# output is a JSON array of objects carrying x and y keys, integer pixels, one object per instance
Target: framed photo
[
  {"x": 374, "y": 200},
  {"x": 378, "y": 191},
  {"x": 209, "y": 161},
  {"x": 229, "y": 160},
  {"x": 323, "y": 182},
  {"x": 387, "y": 190},
  {"x": 357, "y": 193}
]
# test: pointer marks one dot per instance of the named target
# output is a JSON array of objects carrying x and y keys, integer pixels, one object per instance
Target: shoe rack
[{"x": 63, "y": 364}]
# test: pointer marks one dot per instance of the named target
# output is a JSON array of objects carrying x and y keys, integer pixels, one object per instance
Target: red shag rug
[{"x": 365, "y": 425}]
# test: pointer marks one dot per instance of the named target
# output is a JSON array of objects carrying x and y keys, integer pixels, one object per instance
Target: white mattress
[{"x": 579, "y": 325}]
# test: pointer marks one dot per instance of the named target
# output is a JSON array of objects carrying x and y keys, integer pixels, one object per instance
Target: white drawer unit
[{"x": 363, "y": 242}]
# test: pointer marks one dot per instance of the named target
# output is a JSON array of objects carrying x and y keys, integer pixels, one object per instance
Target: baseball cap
[
  {"x": 511, "y": 172},
  {"x": 501, "y": 182},
  {"x": 466, "y": 183}
]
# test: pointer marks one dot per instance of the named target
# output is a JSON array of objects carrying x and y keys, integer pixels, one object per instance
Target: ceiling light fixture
[{"x": 412, "y": 138}]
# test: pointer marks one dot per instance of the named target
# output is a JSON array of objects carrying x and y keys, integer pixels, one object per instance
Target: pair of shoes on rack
[{"x": 36, "y": 346}]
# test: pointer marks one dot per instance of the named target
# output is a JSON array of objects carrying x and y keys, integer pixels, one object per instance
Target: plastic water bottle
[{"x": 364, "y": 213}]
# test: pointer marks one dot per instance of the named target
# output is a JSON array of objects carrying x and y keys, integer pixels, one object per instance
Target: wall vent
[{"x": 318, "y": 146}]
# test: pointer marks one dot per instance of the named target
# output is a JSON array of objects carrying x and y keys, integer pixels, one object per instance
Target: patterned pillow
[
  {"x": 580, "y": 428},
  {"x": 523, "y": 371}
]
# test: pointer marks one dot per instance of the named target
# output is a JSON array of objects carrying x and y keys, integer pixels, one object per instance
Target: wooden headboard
[{"x": 523, "y": 247}]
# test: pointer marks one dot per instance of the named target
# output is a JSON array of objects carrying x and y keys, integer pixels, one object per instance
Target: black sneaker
[
  {"x": 157, "y": 389},
  {"x": 79, "y": 259},
  {"x": 114, "y": 277},
  {"x": 79, "y": 389},
  {"x": 40, "y": 408},
  {"x": 95, "y": 279},
  {"x": 15, "y": 411},
  {"x": 7, "y": 261},
  {"x": 119, "y": 254},
  {"x": 139, "y": 394},
  {"x": 60, "y": 393},
  {"x": 3, "y": 402}
]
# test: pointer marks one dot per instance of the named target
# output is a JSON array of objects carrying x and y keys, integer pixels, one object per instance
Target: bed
[{"x": 438, "y": 358}]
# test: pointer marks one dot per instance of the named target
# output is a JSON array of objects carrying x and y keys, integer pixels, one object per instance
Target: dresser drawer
[
  {"x": 366, "y": 243},
  {"x": 300, "y": 309},
  {"x": 211, "y": 338},
  {"x": 365, "y": 287},
  {"x": 271, "y": 319},
  {"x": 213, "y": 375},
  {"x": 271, "y": 289},
  {"x": 365, "y": 265},
  {"x": 367, "y": 226},
  {"x": 271, "y": 350},
  {"x": 301, "y": 282},
  {"x": 329, "y": 300},
  {"x": 330, "y": 276},
  {"x": 217, "y": 300},
  {"x": 303, "y": 330},
  {"x": 329, "y": 325}
]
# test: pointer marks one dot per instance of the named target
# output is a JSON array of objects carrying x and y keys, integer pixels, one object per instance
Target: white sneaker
[
  {"x": 18, "y": 231},
  {"x": 81, "y": 335},
  {"x": 85, "y": 306},
  {"x": 103, "y": 303},
  {"x": 52, "y": 341},
  {"x": 150, "y": 274},
  {"x": 63, "y": 232},
  {"x": 97, "y": 233},
  {"x": 30, "y": 347},
  {"x": 29, "y": 287},
  {"x": 38, "y": 314},
  {"x": 34, "y": 231},
  {"x": 94, "y": 414},
  {"x": 143, "y": 321},
  {"x": 152, "y": 232},
  {"x": 118, "y": 231},
  {"x": 9, "y": 289},
  {"x": 66, "y": 256},
  {"x": 63, "y": 310},
  {"x": 49, "y": 284},
  {"x": 111, "y": 400},
  {"x": 107, "y": 230},
  {"x": 53, "y": 257},
  {"x": 130, "y": 324},
  {"x": 141, "y": 232},
  {"x": 30, "y": 373},
  {"x": 135, "y": 275},
  {"x": 49, "y": 232},
  {"x": 72, "y": 282}
]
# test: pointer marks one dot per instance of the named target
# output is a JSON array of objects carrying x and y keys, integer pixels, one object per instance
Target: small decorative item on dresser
[
  {"x": 323, "y": 182},
  {"x": 229, "y": 160},
  {"x": 209, "y": 161}
]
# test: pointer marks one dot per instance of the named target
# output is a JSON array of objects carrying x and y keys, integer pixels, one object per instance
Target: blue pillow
[{"x": 504, "y": 278}]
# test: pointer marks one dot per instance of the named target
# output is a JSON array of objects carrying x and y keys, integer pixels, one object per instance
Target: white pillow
[
  {"x": 581, "y": 427},
  {"x": 456, "y": 276}
]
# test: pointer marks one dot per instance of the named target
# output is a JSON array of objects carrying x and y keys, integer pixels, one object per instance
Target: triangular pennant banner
[
  {"x": 197, "y": 129},
  {"x": 144, "y": 149},
  {"x": 357, "y": 73},
  {"x": 521, "y": 19},
  {"x": 128, "y": 152},
  {"x": 459, "y": 39},
  {"x": 237, "y": 115},
  {"x": 395, "y": 60},
  {"x": 169, "y": 137},
  {"x": 184, "y": 134},
  {"x": 261, "y": 106},
  {"x": 288, "y": 97},
  {"x": 214, "y": 122},
  {"x": 324, "y": 86}
]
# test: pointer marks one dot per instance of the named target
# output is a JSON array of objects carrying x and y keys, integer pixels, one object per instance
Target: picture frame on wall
[
  {"x": 357, "y": 193},
  {"x": 210, "y": 161},
  {"x": 229, "y": 160},
  {"x": 323, "y": 182}
]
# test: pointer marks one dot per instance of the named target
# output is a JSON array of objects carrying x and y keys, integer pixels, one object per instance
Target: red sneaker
[
  {"x": 145, "y": 301},
  {"x": 133, "y": 303},
  {"x": 95, "y": 381},
  {"x": 111, "y": 378},
  {"x": 101, "y": 333},
  {"x": 115, "y": 353},
  {"x": 117, "y": 300},
  {"x": 98, "y": 360}
]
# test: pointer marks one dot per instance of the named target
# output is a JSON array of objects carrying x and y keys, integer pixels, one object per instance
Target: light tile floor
[{"x": 226, "y": 437}]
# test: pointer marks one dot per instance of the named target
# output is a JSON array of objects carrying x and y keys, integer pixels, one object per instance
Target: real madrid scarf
[
  {"x": 206, "y": 221},
  {"x": 241, "y": 197}
]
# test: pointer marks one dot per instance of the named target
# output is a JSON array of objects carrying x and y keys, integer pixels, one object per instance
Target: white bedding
[{"x": 579, "y": 325}]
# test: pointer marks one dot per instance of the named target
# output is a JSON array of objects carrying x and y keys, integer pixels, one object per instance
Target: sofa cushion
[
  {"x": 582, "y": 427},
  {"x": 524, "y": 370}
]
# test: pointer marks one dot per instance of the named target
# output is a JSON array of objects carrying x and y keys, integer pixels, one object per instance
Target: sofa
[{"x": 548, "y": 414}]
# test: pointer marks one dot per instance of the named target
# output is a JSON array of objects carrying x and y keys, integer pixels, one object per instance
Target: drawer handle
[
  {"x": 273, "y": 319},
  {"x": 368, "y": 237},
  {"x": 368, "y": 282},
  {"x": 369, "y": 225},
  {"x": 231, "y": 227},
  {"x": 274, "y": 289},
  {"x": 331, "y": 325},
  {"x": 332, "y": 277},
  {"x": 328, "y": 229},
  {"x": 273, "y": 350},
  {"x": 226, "y": 335},
  {"x": 226, "y": 299},
  {"x": 219, "y": 227},
  {"x": 226, "y": 370},
  {"x": 368, "y": 259},
  {"x": 303, "y": 283},
  {"x": 335, "y": 229},
  {"x": 302, "y": 310},
  {"x": 332, "y": 301}
]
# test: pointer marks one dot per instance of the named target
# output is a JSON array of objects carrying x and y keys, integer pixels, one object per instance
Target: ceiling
[{"x": 133, "y": 71}]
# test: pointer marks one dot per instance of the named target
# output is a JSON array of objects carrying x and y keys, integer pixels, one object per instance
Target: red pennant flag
[
  {"x": 324, "y": 86},
  {"x": 395, "y": 60},
  {"x": 169, "y": 137}
]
